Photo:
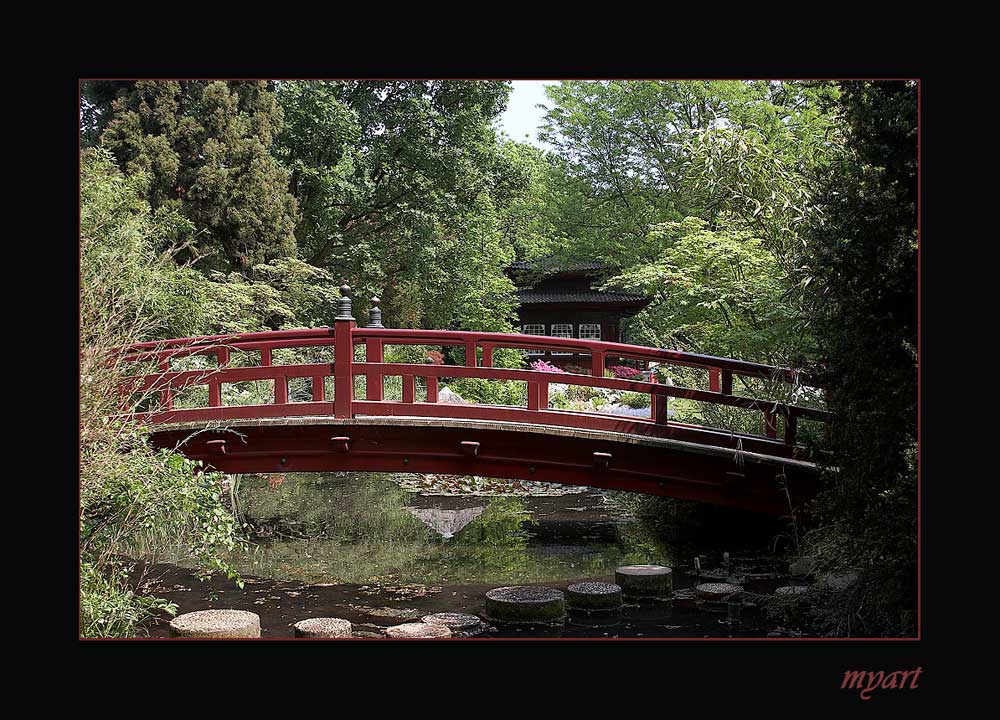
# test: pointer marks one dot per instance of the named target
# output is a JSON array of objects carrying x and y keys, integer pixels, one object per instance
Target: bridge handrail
[
  {"x": 344, "y": 335},
  {"x": 305, "y": 337}
]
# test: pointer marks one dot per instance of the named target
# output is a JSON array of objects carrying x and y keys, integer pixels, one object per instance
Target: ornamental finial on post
[
  {"x": 375, "y": 314},
  {"x": 344, "y": 304}
]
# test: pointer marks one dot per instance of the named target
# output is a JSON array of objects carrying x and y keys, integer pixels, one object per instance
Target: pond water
[{"x": 374, "y": 550}]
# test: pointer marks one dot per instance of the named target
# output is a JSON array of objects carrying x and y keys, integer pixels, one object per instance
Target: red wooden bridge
[{"x": 766, "y": 472}]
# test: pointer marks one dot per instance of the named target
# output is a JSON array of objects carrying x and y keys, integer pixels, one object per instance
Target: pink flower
[
  {"x": 625, "y": 372},
  {"x": 542, "y": 366}
]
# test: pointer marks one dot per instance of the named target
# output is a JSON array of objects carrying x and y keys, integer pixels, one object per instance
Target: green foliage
[
  {"x": 400, "y": 185},
  {"x": 205, "y": 147},
  {"x": 496, "y": 540},
  {"x": 490, "y": 392},
  {"x": 863, "y": 305},
  {"x": 286, "y": 293},
  {"x": 110, "y": 608},
  {"x": 716, "y": 292},
  {"x": 134, "y": 499},
  {"x": 755, "y": 174},
  {"x": 634, "y": 400}
]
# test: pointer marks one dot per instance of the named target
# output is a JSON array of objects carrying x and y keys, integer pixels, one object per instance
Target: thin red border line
[
  {"x": 920, "y": 588},
  {"x": 514, "y": 639},
  {"x": 518, "y": 79}
]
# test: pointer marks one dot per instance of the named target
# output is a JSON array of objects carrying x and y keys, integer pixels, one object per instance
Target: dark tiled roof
[
  {"x": 531, "y": 297},
  {"x": 552, "y": 265}
]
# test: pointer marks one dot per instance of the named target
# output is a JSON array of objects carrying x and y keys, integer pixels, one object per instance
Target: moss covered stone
[
  {"x": 217, "y": 624},
  {"x": 525, "y": 604},
  {"x": 645, "y": 581},
  {"x": 716, "y": 591},
  {"x": 594, "y": 596}
]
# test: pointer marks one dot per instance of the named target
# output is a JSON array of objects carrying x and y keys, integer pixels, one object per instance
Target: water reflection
[
  {"x": 359, "y": 546},
  {"x": 445, "y": 522},
  {"x": 363, "y": 528}
]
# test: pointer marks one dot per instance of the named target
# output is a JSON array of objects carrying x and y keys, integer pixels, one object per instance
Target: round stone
[
  {"x": 217, "y": 624},
  {"x": 716, "y": 591},
  {"x": 456, "y": 622},
  {"x": 418, "y": 630},
  {"x": 525, "y": 604},
  {"x": 323, "y": 628},
  {"x": 792, "y": 590},
  {"x": 645, "y": 581},
  {"x": 594, "y": 596}
]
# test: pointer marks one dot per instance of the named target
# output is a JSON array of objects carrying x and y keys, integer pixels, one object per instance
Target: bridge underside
[{"x": 617, "y": 461}]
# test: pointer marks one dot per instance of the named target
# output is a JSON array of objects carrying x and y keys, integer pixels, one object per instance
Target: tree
[
  {"x": 377, "y": 160},
  {"x": 862, "y": 258},
  {"x": 205, "y": 147},
  {"x": 715, "y": 292},
  {"x": 630, "y": 144}
]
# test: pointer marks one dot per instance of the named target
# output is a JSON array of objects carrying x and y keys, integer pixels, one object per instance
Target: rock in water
[
  {"x": 323, "y": 628},
  {"x": 716, "y": 591},
  {"x": 418, "y": 630},
  {"x": 217, "y": 624},
  {"x": 645, "y": 581},
  {"x": 460, "y": 624},
  {"x": 792, "y": 590},
  {"x": 594, "y": 596},
  {"x": 525, "y": 604}
]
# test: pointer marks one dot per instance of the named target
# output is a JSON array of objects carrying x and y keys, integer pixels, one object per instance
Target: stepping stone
[
  {"x": 594, "y": 596},
  {"x": 458, "y": 623},
  {"x": 525, "y": 604},
  {"x": 645, "y": 581},
  {"x": 716, "y": 591},
  {"x": 792, "y": 590},
  {"x": 323, "y": 628},
  {"x": 216, "y": 624},
  {"x": 418, "y": 630}
]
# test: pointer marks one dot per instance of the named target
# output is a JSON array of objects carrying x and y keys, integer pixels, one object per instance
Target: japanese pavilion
[{"x": 557, "y": 299}]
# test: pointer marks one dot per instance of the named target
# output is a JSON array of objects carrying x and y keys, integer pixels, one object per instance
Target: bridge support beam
[{"x": 652, "y": 467}]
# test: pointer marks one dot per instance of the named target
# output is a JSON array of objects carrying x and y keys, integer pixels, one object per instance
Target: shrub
[
  {"x": 634, "y": 400},
  {"x": 625, "y": 372},
  {"x": 134, "y": 499}
]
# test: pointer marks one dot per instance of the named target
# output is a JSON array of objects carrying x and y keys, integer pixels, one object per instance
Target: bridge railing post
[
  {"x": 374, "y": 352},
  {"x": 658, "y": 409},
  {"x": 166, "y": 395},
  {"x": 343, "y": 356},
  {"x": 597, "y": 364}
]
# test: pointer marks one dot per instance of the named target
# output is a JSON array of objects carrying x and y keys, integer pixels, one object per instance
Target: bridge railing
[{"x": 479, "y": 348}]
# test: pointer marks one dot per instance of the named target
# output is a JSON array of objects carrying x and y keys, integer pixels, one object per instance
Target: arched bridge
[{"x": 331, "y": 428}]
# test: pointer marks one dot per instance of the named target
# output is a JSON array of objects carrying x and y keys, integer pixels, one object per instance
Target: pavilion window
[
  {"x": 533, "y": 330},
  {"x": 590, "y": 331},
  {"x": 563, "y": 330}
]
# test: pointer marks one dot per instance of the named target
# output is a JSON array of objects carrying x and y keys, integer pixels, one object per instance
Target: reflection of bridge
[{"x": 648, "y": 455}]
